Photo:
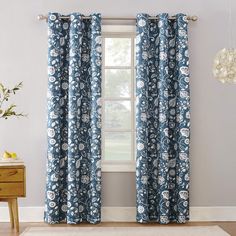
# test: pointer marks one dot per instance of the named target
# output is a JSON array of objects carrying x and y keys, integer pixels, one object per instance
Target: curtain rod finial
[
  {"x": 42, "y": 17},
  {"x": 194, "y": 18}
]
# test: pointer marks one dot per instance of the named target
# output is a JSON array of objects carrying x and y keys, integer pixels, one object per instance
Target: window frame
[{"x": 119, "y": 31}]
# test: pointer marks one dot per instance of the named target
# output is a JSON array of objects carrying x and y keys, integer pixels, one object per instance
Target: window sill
[{"x": 128, "y": 166}]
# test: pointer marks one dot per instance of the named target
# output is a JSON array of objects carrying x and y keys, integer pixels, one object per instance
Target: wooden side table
[{"x": 12, "y": 186}]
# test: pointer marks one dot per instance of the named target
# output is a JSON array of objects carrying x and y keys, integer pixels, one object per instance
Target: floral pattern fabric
[
  {"x": 162, "y": 119},
  {"x": 73, "y": 189}
]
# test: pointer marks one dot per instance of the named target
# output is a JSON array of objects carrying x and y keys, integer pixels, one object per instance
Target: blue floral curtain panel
[
  {"x": 73, "y": 191},
  {"x": 162, "y": 119}
]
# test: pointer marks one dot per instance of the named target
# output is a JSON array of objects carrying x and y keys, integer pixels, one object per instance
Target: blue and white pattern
[
  {"x": 162, "y": 119},
  {"x": 73, "y": 191}
]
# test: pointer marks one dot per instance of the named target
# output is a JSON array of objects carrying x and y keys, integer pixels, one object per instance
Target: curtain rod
[{"x": 45, "y": 17}]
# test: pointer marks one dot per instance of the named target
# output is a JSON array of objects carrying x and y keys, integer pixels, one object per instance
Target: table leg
[
  {"x": 15, "y": 213},
  {"x": 11, "y": 212}
]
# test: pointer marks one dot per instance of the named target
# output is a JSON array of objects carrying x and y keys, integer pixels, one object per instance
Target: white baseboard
[
  {"x": 26, "y": 214},
  {"x": 127, "y": 214},
  {"x": 214, "y": 213},
  {"x": 118, "y": 214}
]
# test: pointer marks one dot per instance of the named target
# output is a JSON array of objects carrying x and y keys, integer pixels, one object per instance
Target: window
[{"x": 118, "y": 97}]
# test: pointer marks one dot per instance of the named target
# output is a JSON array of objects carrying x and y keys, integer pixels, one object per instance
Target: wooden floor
[{"x": 5, "y": 229}]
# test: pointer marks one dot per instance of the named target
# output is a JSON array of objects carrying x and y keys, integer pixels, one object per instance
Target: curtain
[
  {"x": 162, "y": 119},
  {"x": 73, "y": 188}
]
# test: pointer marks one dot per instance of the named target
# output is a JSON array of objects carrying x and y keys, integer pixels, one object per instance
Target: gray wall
[{"x": 23, "y": 50}]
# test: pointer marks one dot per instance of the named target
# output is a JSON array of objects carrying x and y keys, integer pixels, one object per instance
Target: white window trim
[{"x": 116, "y": 165}]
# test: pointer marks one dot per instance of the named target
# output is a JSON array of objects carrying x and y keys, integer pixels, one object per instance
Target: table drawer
[
  {"x": 11, "y": 189},
  {"x": 12, "y": 175}
]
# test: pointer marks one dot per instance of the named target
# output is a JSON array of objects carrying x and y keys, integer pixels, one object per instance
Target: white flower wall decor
[{"x": 224, "y": 67}]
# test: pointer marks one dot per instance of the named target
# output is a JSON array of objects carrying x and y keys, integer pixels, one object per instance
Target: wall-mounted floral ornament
[
  {"x": 224, "y": 67},
  {"x": 5, "y": 94}
]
